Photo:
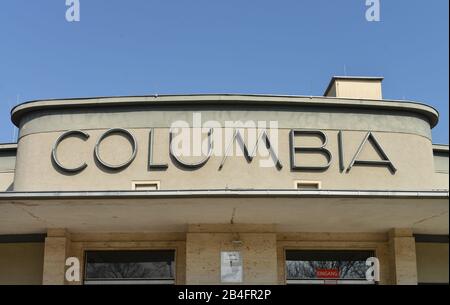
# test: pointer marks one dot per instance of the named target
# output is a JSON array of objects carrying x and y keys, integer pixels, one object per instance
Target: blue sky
[{"x": 139, "y": 47}]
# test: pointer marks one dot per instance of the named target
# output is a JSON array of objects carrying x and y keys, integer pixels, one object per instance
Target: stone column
[
  {"x": 403, "y": 251},
  {"x": 56, "y": 245},
  {"x": 204, "y": 244}
]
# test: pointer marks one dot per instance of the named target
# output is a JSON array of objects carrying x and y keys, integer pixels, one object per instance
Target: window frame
[
  {"x": 325, "y": 281},
  {"x": 162, "y": 281},
  {"x": 315, "y": 185},
  {"x": 135, "y": 184}
]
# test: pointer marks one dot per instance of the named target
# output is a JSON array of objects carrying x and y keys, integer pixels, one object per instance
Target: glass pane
[
  {"x": 348, "y": 265},
  {"x": 136, "y": 265}
]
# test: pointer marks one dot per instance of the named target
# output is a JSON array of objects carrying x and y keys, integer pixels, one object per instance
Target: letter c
[{"x": 70, "y": 133}]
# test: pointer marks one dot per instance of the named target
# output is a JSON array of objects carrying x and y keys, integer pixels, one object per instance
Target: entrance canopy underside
[{"x": 173, "y": 211}]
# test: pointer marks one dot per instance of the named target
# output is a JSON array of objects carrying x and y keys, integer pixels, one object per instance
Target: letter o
[
  {"x": 129, "y": 136},
  {"x": 65, "y": 135}
]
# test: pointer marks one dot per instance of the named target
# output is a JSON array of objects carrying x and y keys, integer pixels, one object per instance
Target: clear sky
[{"x": 138, "y": 47}]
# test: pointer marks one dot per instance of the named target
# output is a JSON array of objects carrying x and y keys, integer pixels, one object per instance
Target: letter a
[{"x": 73, "y": 12}]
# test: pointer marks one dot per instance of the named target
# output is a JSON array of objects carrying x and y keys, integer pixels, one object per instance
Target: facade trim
[
  {"x": 21, "y": 110},
  {"x": 225, "y": 193},
  {"x": 440, "y": 148},
  {"x": 8, "y": 146}
]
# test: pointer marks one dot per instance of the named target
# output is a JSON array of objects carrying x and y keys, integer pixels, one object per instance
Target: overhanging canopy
[{"x": 172, "y": 211}]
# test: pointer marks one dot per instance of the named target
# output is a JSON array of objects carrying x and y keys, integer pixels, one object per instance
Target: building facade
[{"x": 211, "y": 189}]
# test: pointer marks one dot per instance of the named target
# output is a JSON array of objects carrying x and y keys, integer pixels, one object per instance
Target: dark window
[
  {"x": 130, "y": 267},
  {"x": 323, "y": 266}
]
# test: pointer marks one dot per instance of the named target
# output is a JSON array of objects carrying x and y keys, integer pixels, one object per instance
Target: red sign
[{"x": 327, "y": 273}]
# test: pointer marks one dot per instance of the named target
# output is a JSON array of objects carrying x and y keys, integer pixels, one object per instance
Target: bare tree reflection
[
  {"x": 147, "y": 270},
  {"x": 307, "y": 269}
]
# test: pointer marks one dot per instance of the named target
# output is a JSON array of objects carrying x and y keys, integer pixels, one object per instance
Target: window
[
  {"x": 130, "y": 267},
  {"x": 145, "y": 185},
  {"x": 327, "y": 267},
  {"x": 308, "y": 185}
]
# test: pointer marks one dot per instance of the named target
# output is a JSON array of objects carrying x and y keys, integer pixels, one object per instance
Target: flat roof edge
[
  {"x": 246, "y": 99},
  {"x": 8, "y": 146},
  {"x": 439, "y": 194},
  {"x": 441, "y": 147}
]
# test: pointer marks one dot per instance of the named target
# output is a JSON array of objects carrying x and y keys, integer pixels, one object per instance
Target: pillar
[
  {"x": 56, "y": 245},
  {"x": 403, "y": 252},
  {"x": 258, "y": 249}
]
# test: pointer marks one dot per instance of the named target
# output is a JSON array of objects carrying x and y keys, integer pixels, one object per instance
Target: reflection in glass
[
  {"x": 308, "y": 269},
  {"x": 315, "y": 265},
  {"x": 129, "y": 265}
]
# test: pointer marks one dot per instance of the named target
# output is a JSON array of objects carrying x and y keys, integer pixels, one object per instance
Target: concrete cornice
[
  {"x": 441, "y": 147},
  {"x": 8, "y": 146},
  {"x": 441, "y": 194},
  {"x": 19, "y": 111}
]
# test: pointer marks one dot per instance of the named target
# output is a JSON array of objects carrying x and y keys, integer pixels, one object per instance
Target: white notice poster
[{"x": 231, "y": 267}]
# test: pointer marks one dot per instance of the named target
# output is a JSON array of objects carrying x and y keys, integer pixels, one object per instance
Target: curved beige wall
[{"x": 405, "y": 137}]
